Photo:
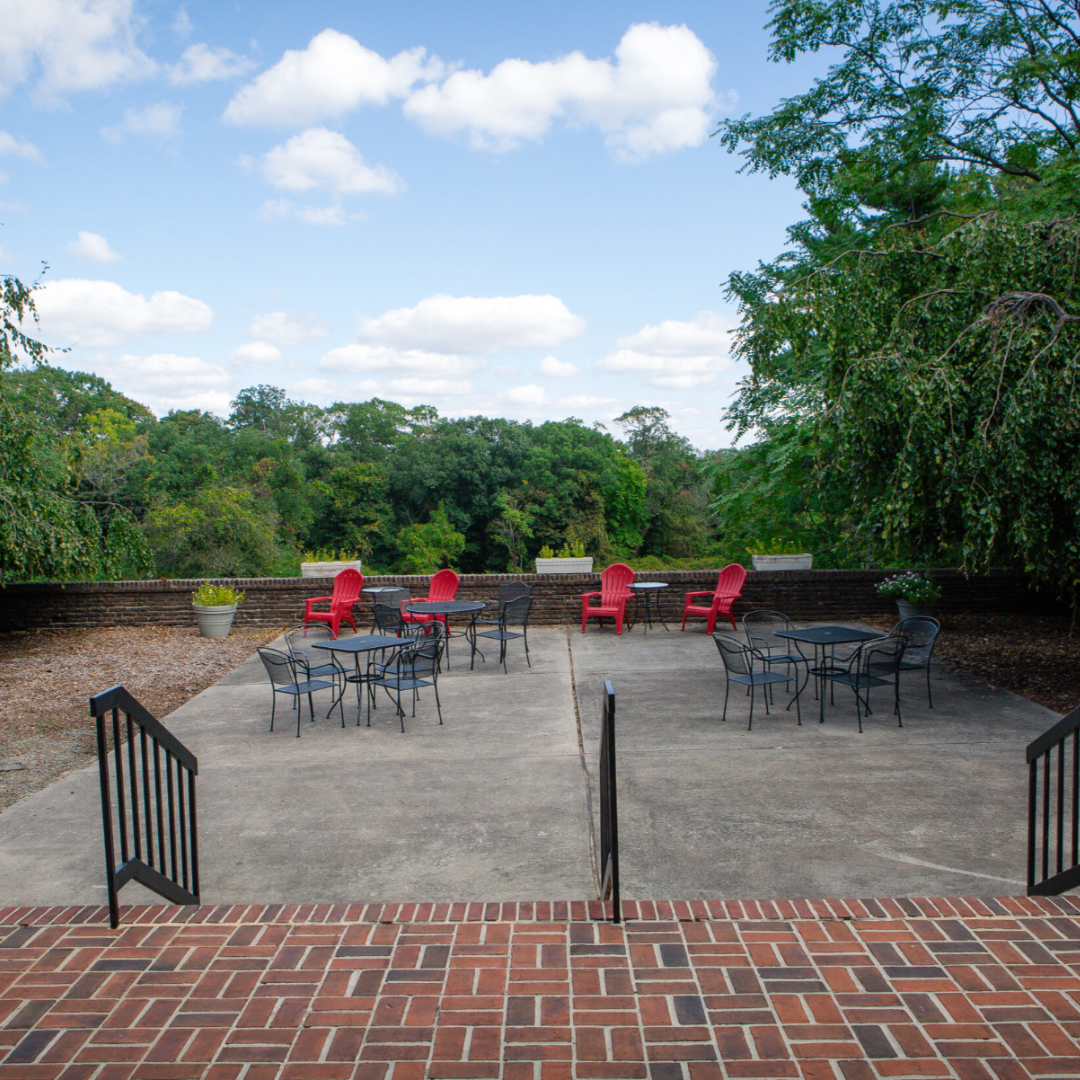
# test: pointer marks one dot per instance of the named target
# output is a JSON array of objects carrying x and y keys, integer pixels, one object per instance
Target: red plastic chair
[
  {"x": 728, "y": 589},
  {"x": 614, "y": 592},
  {"x": 347, "y": 586},
  {"x": 443, "y": 587}
]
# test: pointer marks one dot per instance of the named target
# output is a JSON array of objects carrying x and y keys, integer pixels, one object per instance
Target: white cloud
[
  {"x": 287, "y": 328},
  {"x": 527, "y": 395},
  {"x": 93, "y": 248},
  {"x": 102, "y": 313},
  {"x": 675, "y": 354},
  {"x": 554, "y": 368},
  {"x": 10, "y": 145},
  {"x": 255, "y": 354},
  {"x": 475, "y": 324},
  {"x": 161, "y": 119},
  {"x": 203, "y": 63},
  {"x": 426, "y": 389},
  {"x": 357, "y": 358},
  {"x": 657, "y": 97},
  {"x": 283, "y": 210},
  {"x": 322, "y": 159},
  {"x": 334, "y": 74},
  {"x": 69, "y": 45},
  {"x": 167, "y": 381}
]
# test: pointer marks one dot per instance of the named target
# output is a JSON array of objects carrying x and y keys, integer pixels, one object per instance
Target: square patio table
[
  {"x": 825, "y": 637},
  {"x": 362, "y": 643}
]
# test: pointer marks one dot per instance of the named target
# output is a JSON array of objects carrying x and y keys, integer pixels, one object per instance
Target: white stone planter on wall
[
  {"x": 326, "y": 569},
  {"x": 564, "y": 566},
  {"x": 783, "y": 562},
  {"x": 215, "y": 620}
]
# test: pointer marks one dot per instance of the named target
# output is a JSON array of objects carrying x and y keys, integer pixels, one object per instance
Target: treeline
[{"x": 193, "y": 495}]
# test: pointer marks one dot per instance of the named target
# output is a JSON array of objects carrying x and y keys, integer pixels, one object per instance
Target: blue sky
[{"x": 506, "y": 208}]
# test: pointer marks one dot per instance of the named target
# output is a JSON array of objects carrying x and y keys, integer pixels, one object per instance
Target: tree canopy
[{"x": 914, "y": 352}]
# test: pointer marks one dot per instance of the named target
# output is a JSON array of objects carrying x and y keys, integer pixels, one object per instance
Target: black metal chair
[
  {"x": 395, "y": 598},
  {"x": 868, "y": 667},
  {"x": 921, "y": 632},
  {"x": 738, "y": 660},
  {"x": 320, "y": 665},
  {"x": 514, "y": 612},
  {"x": 510, "y": 591},
  {"x": 415, "y": 665},
  {"x": 388, "y": 619},
  {"x": 760, "y": 627},
  {"x": 283, "y": 672}
]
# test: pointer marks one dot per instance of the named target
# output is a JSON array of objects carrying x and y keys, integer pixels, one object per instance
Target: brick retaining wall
[{"x": 804, "y": 595}]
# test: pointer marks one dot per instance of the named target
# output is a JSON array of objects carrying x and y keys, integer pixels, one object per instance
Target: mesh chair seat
[
  {"x": 283, "y": 672},
  {"x": 739, "y": 659}
]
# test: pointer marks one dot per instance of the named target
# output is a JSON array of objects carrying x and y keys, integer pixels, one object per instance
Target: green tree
[
  {"x": 431, "y": 546},
  {"x": 513, "y": 526}
]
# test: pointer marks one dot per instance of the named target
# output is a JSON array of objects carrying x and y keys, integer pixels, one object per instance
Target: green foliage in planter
[
  {"x": 777, "y": 546},
  {"x": 572, "y": 549},
  {"x": 912, "y": 587},
  {"x": 210, "y": 595},
  {"x": 545, "y": 553}
]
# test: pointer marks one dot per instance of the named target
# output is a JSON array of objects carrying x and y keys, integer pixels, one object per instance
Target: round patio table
[
  {"x": 362, "y": 643},
  {"x": 453, "y": 607},
  {"x": 646, "y": 602},
  {"x": 826, "y": 637}
]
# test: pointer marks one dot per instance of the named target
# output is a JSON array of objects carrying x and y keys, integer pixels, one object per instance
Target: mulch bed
[
  {"x": 1037, "y": 657},
  {"x": 49, "y": 675}
]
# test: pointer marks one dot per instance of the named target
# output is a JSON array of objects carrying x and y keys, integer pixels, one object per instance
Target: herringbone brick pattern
[{"x": 825, "y": 990}]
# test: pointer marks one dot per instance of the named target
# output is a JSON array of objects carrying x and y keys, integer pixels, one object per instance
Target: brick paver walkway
[{"x": 827, "y": 990}]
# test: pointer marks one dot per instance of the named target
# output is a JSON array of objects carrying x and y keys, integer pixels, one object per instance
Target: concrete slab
[
  {"x": 709, "y": 809},
  {"x": 491, "y": 804}
]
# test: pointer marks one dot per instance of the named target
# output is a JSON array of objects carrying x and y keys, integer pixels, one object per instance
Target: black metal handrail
[
  {"x": 1054, "y": 851},
  {"x": 609, "y": 806},
  {"x": 164, "y": 851}
]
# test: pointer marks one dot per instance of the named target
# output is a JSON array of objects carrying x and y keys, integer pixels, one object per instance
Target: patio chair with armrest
[
  {"x": 415, "y": 665},
  {"x": 347, "y": 586},
  {"x": 869, "y": 666},
  {"x": 738, "y": 659},
  {"x": 728, "y": 589},
  {"x": 921, "y": 632},
  {"x": 514, "y": 613},
  {"x": 283, "y": 674},
  {"x": 614, "y": 592},
  {"x": 510, "y": 591},
  {"x": 298, "y": 642},
  {"x": 760, "y": 627}
]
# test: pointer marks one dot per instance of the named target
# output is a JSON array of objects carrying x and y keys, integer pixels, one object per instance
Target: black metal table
[
  {"x": 825, "y": 638},
  {"x": 362, "y": 643},
  {"x": 453, "y": 607},
  {"x": 647, "y": 602}
]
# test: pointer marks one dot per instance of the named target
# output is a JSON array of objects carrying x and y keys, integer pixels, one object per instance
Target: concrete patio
[{"x": 494, "y": 804}]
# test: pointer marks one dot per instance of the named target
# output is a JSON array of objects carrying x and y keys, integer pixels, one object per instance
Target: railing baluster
[
  {"x": 1076, "y": 799},
  {"x": 183, "y": 824},
  {"x": 1061, "y": 809},
  {"x": 194, "y": 835},
  {"x": 172, "y": 813},
  {"x": 1046, "y": 817},
  {"x": 146, "y": 799},
  {"x": 120, "y": 809},
  {"x": 1033, "y": 813},
  {"x": 159, "y": 807},
  {"x": 133, "y": 779}
]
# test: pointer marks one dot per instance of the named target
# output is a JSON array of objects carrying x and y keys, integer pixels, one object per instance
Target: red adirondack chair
[
  {"x": 347, "y": 586},
  {"x": 443, "y": 586},
  {"x": 728, "y": 589},
  {"x": 614, "y": 592}
]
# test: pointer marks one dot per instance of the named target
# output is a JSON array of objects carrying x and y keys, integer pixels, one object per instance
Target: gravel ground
[
  {"x": 45, "y": 730},
  {"x": 49, "y": 675}
]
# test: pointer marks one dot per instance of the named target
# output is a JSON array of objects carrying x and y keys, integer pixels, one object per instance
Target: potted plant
[
  {"x": 215, "y": 607},
  {"x": 326, "y": 562},
  {"x": 571, "y": 559},
  {"x": 780, "y": 554},
  {"x": 913, "y": 592}
]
